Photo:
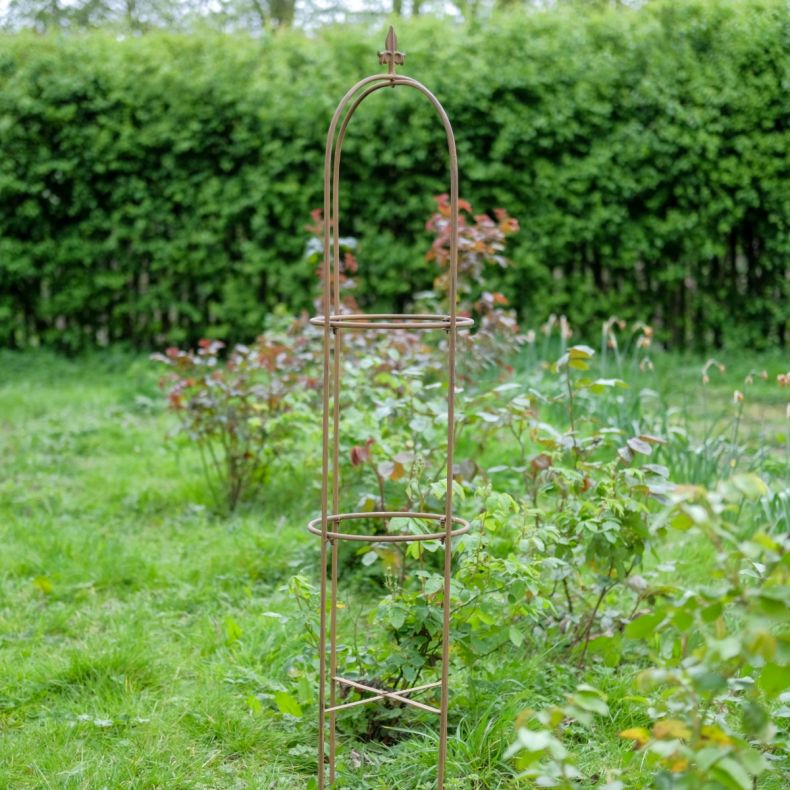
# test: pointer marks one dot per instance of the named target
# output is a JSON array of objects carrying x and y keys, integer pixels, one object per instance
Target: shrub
[{"x": 237, "y": 413}]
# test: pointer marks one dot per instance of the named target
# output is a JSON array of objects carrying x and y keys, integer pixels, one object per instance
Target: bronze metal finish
[
  {"x": 334, "y": 323},
  {"x": 389, "y": 537},
  {"x": 390, "y": 321}
]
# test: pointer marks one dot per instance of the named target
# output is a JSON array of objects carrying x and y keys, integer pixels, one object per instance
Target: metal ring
[
  {"x": 314, "y": 527},
  {"x": 392, "y": 321}
]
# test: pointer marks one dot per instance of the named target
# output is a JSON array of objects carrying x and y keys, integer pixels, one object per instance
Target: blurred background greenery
[{"x": 161, "y": 161}]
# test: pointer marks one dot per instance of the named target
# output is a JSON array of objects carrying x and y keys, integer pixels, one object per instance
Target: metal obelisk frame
[{"x": 334, "y": 323}]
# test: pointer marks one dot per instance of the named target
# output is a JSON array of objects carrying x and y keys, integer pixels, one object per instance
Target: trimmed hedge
[{"x": 155, "y": 189}]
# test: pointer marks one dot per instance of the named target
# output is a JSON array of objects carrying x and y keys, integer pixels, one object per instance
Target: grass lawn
[{"x": 143, "y": 638}]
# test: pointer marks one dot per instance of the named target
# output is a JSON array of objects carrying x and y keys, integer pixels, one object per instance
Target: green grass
[
  {"x": 143, "y": 636},
  {"x": 133, "y": 622}
]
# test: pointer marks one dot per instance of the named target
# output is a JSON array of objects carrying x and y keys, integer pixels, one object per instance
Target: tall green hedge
[{"x": 155, "y": 189}]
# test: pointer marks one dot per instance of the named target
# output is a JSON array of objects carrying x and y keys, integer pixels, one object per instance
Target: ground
[{"x": 143, "y": 636}]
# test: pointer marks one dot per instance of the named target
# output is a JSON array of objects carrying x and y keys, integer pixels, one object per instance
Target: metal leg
[
  {"x": 333, "y": 664},
  {"x": 338, "y": 345},
  {"x": 322, "y": 669},
  {"x": 444, "y": 704}
]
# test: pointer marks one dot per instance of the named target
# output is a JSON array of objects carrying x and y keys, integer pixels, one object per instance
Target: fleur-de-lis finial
[{"x": 390, "y": 55}]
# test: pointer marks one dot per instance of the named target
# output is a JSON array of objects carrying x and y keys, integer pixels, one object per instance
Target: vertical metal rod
[
  {"x": 335, "y": 550},
  {"x": 333, "y": 665},
  {"x": 448, "y": 524},
  {"x": 336, "y": 373},
  {"x": 325, "y": 272}
]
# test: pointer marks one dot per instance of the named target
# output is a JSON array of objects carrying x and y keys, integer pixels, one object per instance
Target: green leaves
[
  {"x": 731, "y": 774},
  {"x": 240, "y": 411},
  {"x": 599, "y": 386},
  {"x": 643, "y": 626},
  {"x": 774, "y": 679},
  {"x": 532, "y": 746},
  {"x": 576, "y": 358},
  {"x": 159, "y": 186},
  {"x": 746, "y": 485},
  {"x": 589, "y": 699},
  {"x": 397, "y": 616},
  {"x": 287, "y": 704},
  {"x": 539, "y": 751},
  {"x": 516, "y": 637},
  {"x": 716, "y": 646}
]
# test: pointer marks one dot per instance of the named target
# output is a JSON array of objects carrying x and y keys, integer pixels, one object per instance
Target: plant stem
[
  {"x": 568, "y": 596},
  {"x": 604, "y": 591},
  {"x": 569, "y": 384}
]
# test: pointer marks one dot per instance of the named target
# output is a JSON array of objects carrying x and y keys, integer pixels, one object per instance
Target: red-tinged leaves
[
  {"x": 360, "y": 453},
  {"x": 539, "y": 463},
  {"x": 227, "y": 405}
]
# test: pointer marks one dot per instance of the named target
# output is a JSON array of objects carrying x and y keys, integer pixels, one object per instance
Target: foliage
[
  {"x": 240, "y": 414},
  {"x": 720, "y": 652},
  {"x": 128, "y": 576},
  {"x": 557, "y": 554},
  {"x": 719, "y": 656},
  {"x": 152, "y": 185},
  {"x": 539, "y": 750},
  {"x": 481, "y": 244},
  {"x": 235, "y": 411},
  {"x": 570, "y": 475}
]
